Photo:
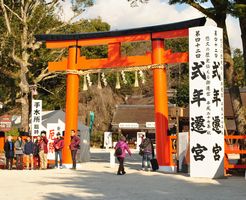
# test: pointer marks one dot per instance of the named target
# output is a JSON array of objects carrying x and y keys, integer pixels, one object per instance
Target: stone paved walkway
[{"x": 97, "y": 181}]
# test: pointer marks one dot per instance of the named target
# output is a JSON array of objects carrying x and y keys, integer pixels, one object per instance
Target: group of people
[
  {"x": 146, "y": 151},
  {"x": 36, "y": 152}
]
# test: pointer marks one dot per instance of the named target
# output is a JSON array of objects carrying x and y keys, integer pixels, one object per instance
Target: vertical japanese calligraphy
[
  {"x": 36, "y": 117},
  {"x": 206, "y": 102}
]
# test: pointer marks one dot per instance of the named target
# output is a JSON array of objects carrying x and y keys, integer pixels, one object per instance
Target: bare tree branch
[
  {"x": 6, "y": 18},
  {"x": 14, "y": 13},
  {"x": 8, "y": 73},
  {"x": 201, "y": 9}
]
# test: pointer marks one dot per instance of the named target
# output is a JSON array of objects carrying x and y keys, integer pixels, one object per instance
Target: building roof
[
  {"x": 55, "y": 115},
  {"x": 134, "y": 31},
  {"x": 133, "y": 114},
  {"x": 145, "y": 113}
]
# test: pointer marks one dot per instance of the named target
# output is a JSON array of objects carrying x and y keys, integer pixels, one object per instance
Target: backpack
[{"x": 118, "y": 151}]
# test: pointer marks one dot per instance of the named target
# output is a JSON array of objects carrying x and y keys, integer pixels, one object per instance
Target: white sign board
[
  {"x": 108, "y": 140},
  {"x": 150, "y": 124},
  {"x": 51, "y": 133},
  {"x": 206, "y": 102},
  {"x": 36, "y": 117},
  {"x": 183, "y": 142},
  {"x": 128, "y": 125},
  {"x": 140, "y": 136}
]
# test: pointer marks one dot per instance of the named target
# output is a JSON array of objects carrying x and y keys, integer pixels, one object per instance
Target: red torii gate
[{"x": 159, "y": 56}]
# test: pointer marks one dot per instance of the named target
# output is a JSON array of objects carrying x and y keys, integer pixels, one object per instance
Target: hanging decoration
[
  {"x": 123, "y": 75},
  {"x": 117, "y": 86},
  {"x": 89, "y": 79},
  {"x": 85, "y": 84},
  {"x": 120, "y": 71},
  {"x": 141, "y": 74},
  {"x": 99, "y": 85},
  {"x": 136, "y": 84},
  {"x": 104, "y": 80}
]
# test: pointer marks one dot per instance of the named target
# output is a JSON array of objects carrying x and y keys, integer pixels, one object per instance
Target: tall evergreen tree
[{"x": 218, "y": 12}]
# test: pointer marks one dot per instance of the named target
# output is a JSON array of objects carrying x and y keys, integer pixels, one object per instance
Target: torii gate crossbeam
[{"x": 113, "y": 39}]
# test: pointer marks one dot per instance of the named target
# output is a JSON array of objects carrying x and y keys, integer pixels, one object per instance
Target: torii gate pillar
[
  {"x": 161, "y": 107},
  {"x": 72, "y": 101}
]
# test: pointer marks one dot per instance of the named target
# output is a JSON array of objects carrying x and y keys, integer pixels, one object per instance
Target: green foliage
[
  {"x": 96, "y": 139},
  {"x": 239, "y": 68},
  {"x": 177, "y": 45},
  {"x": 13, "y": 132},
  {"x": 80, "y": 5}
]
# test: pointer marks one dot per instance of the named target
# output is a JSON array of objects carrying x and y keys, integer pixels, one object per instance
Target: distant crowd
[{"x": 35, "y": 152}]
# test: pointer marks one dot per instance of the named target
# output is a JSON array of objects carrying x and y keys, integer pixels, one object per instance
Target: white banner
[
  {"x": 51, "y": 134},
  {"x": 183, "y": 144},
  {"x": 108, "y": 143},
  {"x": 140, "y": 136},
  {"x": 36, "y": 117},
  {"x": 206, "y": 102},
  {"x": 128, "y": 125}
]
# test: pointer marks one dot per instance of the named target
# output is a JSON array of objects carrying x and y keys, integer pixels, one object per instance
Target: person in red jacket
[
  {"x": 43, "y": 150},
  {"x": 74, "y": 146},
  {"x": 58, "y": 145}
]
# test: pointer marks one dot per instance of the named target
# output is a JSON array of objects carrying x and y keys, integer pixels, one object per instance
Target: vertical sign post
[
  {"x": 206, "y": 102},
  {"x": 36, "y": 117}
]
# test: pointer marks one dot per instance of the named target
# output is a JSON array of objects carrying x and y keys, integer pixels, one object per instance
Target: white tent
[{"x": 53, "y": 122}]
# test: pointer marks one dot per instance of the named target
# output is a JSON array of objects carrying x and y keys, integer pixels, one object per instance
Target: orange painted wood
[
  {"x": 171, "y": 34},
  {"x": 72, "y": 101},
  {"x": 161, "y": 105},
  {"x": 171, "y": 58},
  {"x": 122, "y": 62},
  {"x": 58, "y": 66},
  {"x": 232, "y": 166},
  {"x": 60, "y": 44},
  {"x": 235, "y": 151},
  {"x": 235, "y": 136},
  {"x": 2, "y": 140},
  {"x": 119, "y": 39}
]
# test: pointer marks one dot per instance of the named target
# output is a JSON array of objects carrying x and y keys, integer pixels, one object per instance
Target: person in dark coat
[
  {"x": 148, "y": 149},
  {"x": 9, "y": 152},
  {"x": 28, "y": 150},
  {"x": 74, "y": 146},
  {"x": 58, "y": 145},
  {"x": 36, "y": 159}
]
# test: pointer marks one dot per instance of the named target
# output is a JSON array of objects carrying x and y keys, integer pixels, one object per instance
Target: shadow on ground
[{"x": 104, "y": 184}]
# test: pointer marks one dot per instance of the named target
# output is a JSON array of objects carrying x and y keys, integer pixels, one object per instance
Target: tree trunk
[
  {"x": 238, "y": 109},
  {"x": 25, "y": 113},
  {"x": 242, "y": 21}
]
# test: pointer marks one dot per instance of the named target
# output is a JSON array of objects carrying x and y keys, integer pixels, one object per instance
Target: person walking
[
  {"x": 43, "y": 150},
  {"x": 74, "y": 146},
  {"x": 58, "y": 145},
  {"x": 9, "y": 152},
  {"x": 28, "y": 150},
  {"x": 36, "y": 159},
  {"x": 148, "y": 149},
  {"x": 120, "y": 152},
  {"x": 19, "y": 148}
]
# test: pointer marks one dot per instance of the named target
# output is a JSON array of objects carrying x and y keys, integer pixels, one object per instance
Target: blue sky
[{"x": 120, "y": 15}]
